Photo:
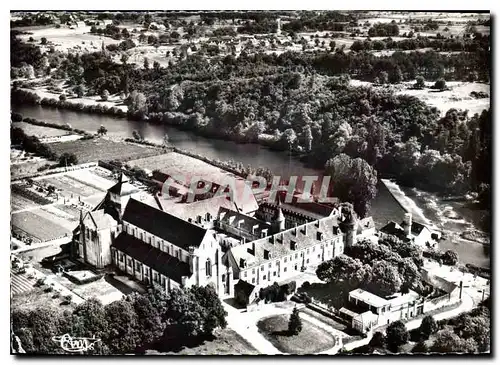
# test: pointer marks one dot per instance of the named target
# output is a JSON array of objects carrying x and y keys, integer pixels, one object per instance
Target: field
[
  {"x": 226, "y": 342},
  {"x": 55, "y": 220},
  {"x": 310, "y": 340},
  {"x": 64, "y": 38},
  {"x": 458, "y": 95},
  {"x": 39, "y": 224},
  {"x": 24, "y": 164},
  {"x": 40, "y": 131},
  {"x": 92, "y": 150},
  {"x": 177, "y": 164}
]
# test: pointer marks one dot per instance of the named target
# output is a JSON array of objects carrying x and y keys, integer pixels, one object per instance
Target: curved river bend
[{"x": 384, "y": 207}]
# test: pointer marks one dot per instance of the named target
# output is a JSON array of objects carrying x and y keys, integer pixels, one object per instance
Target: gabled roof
[
  {"x": 365, "y": 224},
  {"x": 156, "y": 259},
  {"x": 99, "y": 219},
  {"x": 231, "y": 218},
  {"x": 166, "y": 226},
  {"x": 198, "y": 208},
  {"x": 438, "y": 282},
  {"x": 245, "y": 287},
  {"x": 392, "y": 228},
  {"x": 123, "y": 187}
]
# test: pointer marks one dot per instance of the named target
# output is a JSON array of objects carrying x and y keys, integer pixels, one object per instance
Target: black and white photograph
[{"x": 250, "y": 182}]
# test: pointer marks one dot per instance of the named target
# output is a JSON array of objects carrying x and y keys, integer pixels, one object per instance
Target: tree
[
  {"x": 105, "y": 95},
  {"x": 378, "y": 340},
  {"x": 102, "y": 130},
  {"x": 419, "y": 82},
  {"x": 448, "y": 341},
  {"x": 124, "y": 333},
  {"x": 16, "y": 117},
  {"x": 136, "y": 135},
  {"x": 428, "y": 327},
  {"x": 420, "y": 348},
  {"x": 385, "y": 278},
  {"x": 149, "y": 316},
  {"x": 342, "y": 268},
  {"x": 67, "y": 159},
  {"x": 43, "y": 41},
  {"x": 295, "y": 322},
  {"x": 146, "y": 63},
  {"x": 62, "y": 97},
  {"x": 355, "y": 181},
  {"x": 90, "y": 319},
  {"x": 332, "y": 46},
  {"x": 383, "y": 77},
  {"x": 80, "y": 90},
  {"x": 450, "y": 257},
  {"x": 440, "y": 84},
  {"x": 397, "y": 335}
]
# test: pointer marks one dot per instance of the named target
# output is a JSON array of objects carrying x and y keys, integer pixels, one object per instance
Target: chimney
[
  {"x": 407, "y": 224},
  {"x": 198, "y": 219},
  {"x": 251, "y": 250},
  {"x": 271, "y": 239},
  {"x": 254, "y": 228},
  {"x": 190, "y": 220},
  {"x": 243, "y": 240},
  {"x": 263, "y": 233},
  {"x": 208, "y": 217}
]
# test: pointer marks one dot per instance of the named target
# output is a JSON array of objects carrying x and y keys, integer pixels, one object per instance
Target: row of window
[{"x": 170, "y": 249}]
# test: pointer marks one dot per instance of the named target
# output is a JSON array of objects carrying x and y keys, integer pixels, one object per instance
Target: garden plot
[
  {"x": 42, "y": 227},
  {"x": 90, "y": 178},
  {"x": 18, "y": 202},
  {"x": 70, "y": 188},
  {"x": 92, "y": 150}
]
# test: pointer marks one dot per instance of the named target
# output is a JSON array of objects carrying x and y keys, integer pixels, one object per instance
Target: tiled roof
[
  {"x": 328, "y": 227},
  {"x": 232, "y": 218},
  {"x": 154, "y": 258},
  {"x": 199, "y": 208},
  {"x": 166, "y": 226},
  {"x": 438, "y": 282}
]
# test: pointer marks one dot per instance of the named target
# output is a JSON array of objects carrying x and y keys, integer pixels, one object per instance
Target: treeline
[
  {"x": 32, "y": 20},
  {"x": 130, "y": 325},
  {"x": 439, "y": 44}
]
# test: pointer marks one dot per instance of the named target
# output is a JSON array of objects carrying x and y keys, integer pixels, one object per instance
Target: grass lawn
[
  {"x": 92, "y": 150},
  {"x": 224, "y": 342},
  {"x": 310, "y": 340}
]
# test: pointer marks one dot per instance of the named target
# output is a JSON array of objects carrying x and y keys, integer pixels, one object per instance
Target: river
[{"x": 384, "y": 207}]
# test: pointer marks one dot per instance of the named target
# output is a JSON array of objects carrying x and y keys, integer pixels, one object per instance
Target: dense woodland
[
  {"x": 303, "y": 103},
  {"x": 130, "y": 325}
]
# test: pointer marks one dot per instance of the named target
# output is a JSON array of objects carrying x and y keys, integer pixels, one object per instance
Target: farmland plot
[
  {"x": 93, "y": 150},
  {"x": 69, "y": 187},
  {"x": 40, "y": 131},
  {"x": 36, "y": 225}
]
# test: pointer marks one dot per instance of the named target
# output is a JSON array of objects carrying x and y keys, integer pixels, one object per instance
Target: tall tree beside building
[
  {"x": 354, "y": 180},
  {"x": 295, "y": 323}
]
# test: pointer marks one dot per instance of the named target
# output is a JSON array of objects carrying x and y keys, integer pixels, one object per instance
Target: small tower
[
  {"x": 407, "y": 225},
  {"x": 117, "y": 198},
  {"x": 278, "y": 222},
  {"x": 348, "y": 226}
]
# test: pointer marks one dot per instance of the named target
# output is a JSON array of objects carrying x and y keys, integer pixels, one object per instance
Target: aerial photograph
[{"x": 229, "y": 182}]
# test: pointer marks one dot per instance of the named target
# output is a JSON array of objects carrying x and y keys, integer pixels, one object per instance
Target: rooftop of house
[
  {"x": 400, "y": 299},
  {"x": 368, "y": 298},
  {"x": 245, "y": 287},
  {"x": 195, "y": 209},
  {"x": 366, "y": 317},
  {"x": 310, "y": 210},
  {"x": 164, "y": 225},
  {"x": 396, "y": 229},
  {"x": 242, "y": 221},
  {"x": 152, "y": 257},
  {"x": 365, "y": 224},
  {"x": 438, "y": 282},
  {"x": 285, "y": 242}
]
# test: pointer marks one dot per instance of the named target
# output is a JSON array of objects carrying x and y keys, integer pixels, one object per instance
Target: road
[{"x": 34, "y": 246}]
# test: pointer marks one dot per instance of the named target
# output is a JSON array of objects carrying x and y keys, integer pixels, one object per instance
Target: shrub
[{"x": 295, "y": 322}]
